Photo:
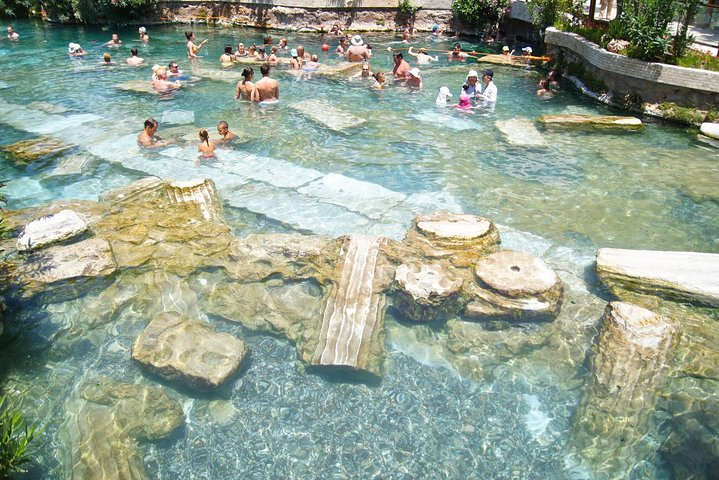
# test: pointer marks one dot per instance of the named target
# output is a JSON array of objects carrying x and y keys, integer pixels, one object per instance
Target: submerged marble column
[
  {"x": 352, "y": 316},
  {"x": 628, "y": 368},
  {"x": 200, "y": 192}
]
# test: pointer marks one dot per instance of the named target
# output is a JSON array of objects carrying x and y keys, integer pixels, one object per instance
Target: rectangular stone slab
[
  {"x": 32, "y": 149},
  {"x": 592, "y": 121},
  {"x": 326, "y": 114},
  {"x": 686, "y": 275},
  {"x": 521, "y": 132},
  {"x": 353, "y": 313}
]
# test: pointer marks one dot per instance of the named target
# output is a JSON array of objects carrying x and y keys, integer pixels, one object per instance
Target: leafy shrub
[
  {"x": 632, "y": 101},
  {"x": 688, "y": 115},
  {"x": 98, "y": 11},
  {"x": 15, "y": 438},
  {"x": 682, "y": 39},
  {"x": 645, "y": 24},
  {"x": 407, "y": 8},
  {"x": 546, "y": 13},
  {"x": 15, "y": 8},
  {"x": 697, "y": 59},
  {"x": 479, "y": 13}
]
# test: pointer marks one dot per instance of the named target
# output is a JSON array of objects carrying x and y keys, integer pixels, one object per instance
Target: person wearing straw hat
[
  {"x": 423, "y": 58},
  {"x": 358, "y": 51},
  {"x": 506, "y": 52},
  {"x": 414, "y": 78}
]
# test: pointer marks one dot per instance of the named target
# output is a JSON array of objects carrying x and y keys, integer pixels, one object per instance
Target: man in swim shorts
[
  {"x": 358, "y": 51},
  {"x": 224, "y": 130},
  {"x": 266, "y": 89}
]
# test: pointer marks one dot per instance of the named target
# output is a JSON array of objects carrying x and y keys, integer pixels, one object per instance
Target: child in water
[{"x": 206, "y": 147}]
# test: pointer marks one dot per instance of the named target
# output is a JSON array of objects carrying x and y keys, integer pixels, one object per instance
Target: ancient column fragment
[
  {"x": 353, "y": 313},
  {"x": 426, "y": 292},
  {"x": 514, "y": 285},
  {"x": 460, "y": 238},
  {"x": 628, "y": 367},
  {"x": 199, "y": 192}
]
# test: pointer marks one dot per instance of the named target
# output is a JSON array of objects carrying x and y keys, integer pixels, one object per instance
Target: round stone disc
[
  {"x": 453, "y": 225},
  {"x": 516, "y": 274}
]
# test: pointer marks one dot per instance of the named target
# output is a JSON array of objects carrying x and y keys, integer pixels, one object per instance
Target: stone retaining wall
[
  {"x": 307, "y": 15},
  {"x": 654, "y": 82}
]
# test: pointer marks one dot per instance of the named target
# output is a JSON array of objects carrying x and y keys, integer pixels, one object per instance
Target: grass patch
[
  {"x": 688, "y": 115},
  {"x": 698, "y": 59}
]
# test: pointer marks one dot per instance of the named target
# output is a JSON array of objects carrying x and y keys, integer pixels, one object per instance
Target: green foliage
[
  {"x": 3, "y": 201},
  {"x": 16, "y": 8},
  {"x": 546, "y": 13},
  {"x": 682, "y": 39},
  {"x": 632, "y": 101},
  {"x": 697, "y": 59},
  {"x": 98, "y": 11},
  {"x": 645, "y": 23},
  {"x": 407, "y": 8},
  {"x": 480, "y": 13},
  {"x": 688, "y": 115},
  {"x": 15, "y": 438}
]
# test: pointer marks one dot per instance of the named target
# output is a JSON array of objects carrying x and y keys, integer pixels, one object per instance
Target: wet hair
[
  {"x": 133, "y": 52},
  {"x": 253, "y": 47},
  {"x": 283, "y": 40},
  {"x": 247, "y": 72},
  {"x": 223, "y": 124},
  {"x": 228, "y": 49},
  {"x": 265, "y": 69},
  {"x": 377, "y": 75},
  {"x": 458, "y": 46},
  {"x": 267, "y": 40},
  {"x": 169, "y": 65},
  {"x": 106, "y": 56},
  {"x": 398, "y": 55},
  {"x": 204, "y": 136},
  {"x": 150, "y": 122},
  {"x": 189, "y": 35}
]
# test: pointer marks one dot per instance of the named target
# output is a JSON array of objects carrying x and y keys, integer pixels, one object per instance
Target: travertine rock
[
  {"x": 521, "y": 132},
  {"x": 199, "y": 192},
  {"x": 686, "y": 275},
  {"x": 34, "y": 148},
  {"x": 54, "y": 228},
  {"x": 189, "y": 351},
  {"x": 592, "y": 121},
  {"x": 514, "y": 285},
  {"x": 139, "y": 411},
  {"x": 460, "y": 238},
  {"x": 325, "y": 113},
  {"x": 137, "y": 191},
  {"x": 711, "y": 130},
  {"x": 629, "y": 365},
  {"x": 426, "y": 292}
]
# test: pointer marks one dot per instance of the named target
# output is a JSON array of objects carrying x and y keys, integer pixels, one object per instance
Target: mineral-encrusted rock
[
  {"x": 35, "y": 148},
  {"x": 326, "y": 114},
  {"x": 135, "y": 192},
  {"x": 426, "y": 292},
  {"x": 199, "y": 192},
  {"x": 140, "y": 411},
  {"x": 618, "y": 46},
  {"x": 189, "y": 351},
  {"x": 521, "y": 132},
  {"x": 686, "y": 275},
  {"x": 99, "y": 449},
  {"x": 65, "y": 267},
  {"x": 514, "y": 285},
  {"x": 629, "y": 365},
  {"x": 711, "y": 130},
  {"x": 691, "y": 449},
  {"x": 54, "y": 228},
  {"x": 353, "y": 313},
  {"x": 460, "y": 238},
  {"x": 603, "y": 122}
]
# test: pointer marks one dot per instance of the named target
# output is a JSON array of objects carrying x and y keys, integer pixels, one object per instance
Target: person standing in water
[
  {"x": 267, "y": 89},
  {"x": 206, "y": 147},
  {"x": 244, "y": 87},
  {"x": 192, "y": 49},
  {"x": 144, "y": 37}
]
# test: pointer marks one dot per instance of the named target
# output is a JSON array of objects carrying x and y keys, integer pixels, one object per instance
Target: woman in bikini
[
  {"x": 244, "y": 87},
  {"x": 192, "y": 49},
  {"x": 206, "y": 147}
]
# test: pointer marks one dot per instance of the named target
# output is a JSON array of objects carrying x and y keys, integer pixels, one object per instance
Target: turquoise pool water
[{"x": 430, "y": 417}]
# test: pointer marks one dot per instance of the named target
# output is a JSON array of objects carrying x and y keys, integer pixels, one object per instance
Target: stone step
[
  {"x": 353, "y": 313},
  {"x": 686, "y": 275},
  {"x": 592, "y": 121}
]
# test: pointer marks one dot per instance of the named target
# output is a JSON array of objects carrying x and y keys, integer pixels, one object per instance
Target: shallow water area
[{"x": 462, "y": 400}]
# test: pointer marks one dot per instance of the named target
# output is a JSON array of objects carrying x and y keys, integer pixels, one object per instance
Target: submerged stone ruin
[{"x": 164, "y": 250}]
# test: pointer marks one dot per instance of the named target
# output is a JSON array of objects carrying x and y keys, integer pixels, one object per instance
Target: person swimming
[{"x": 206, "y": 147}]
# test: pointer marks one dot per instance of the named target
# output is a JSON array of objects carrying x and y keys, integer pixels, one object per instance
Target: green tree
[
  {"x": 645, "y": 24},
  {"x": 480, "y": 13},
  {"x": 547, "y": 13}
]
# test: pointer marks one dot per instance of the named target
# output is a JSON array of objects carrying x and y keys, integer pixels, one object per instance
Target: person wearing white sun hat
[
  {"x": 414, "y": 78},
  {"x": 471, "y": 86},
  {"x": 75, "y": 50},
  {"x": 357, "y": 51}
]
